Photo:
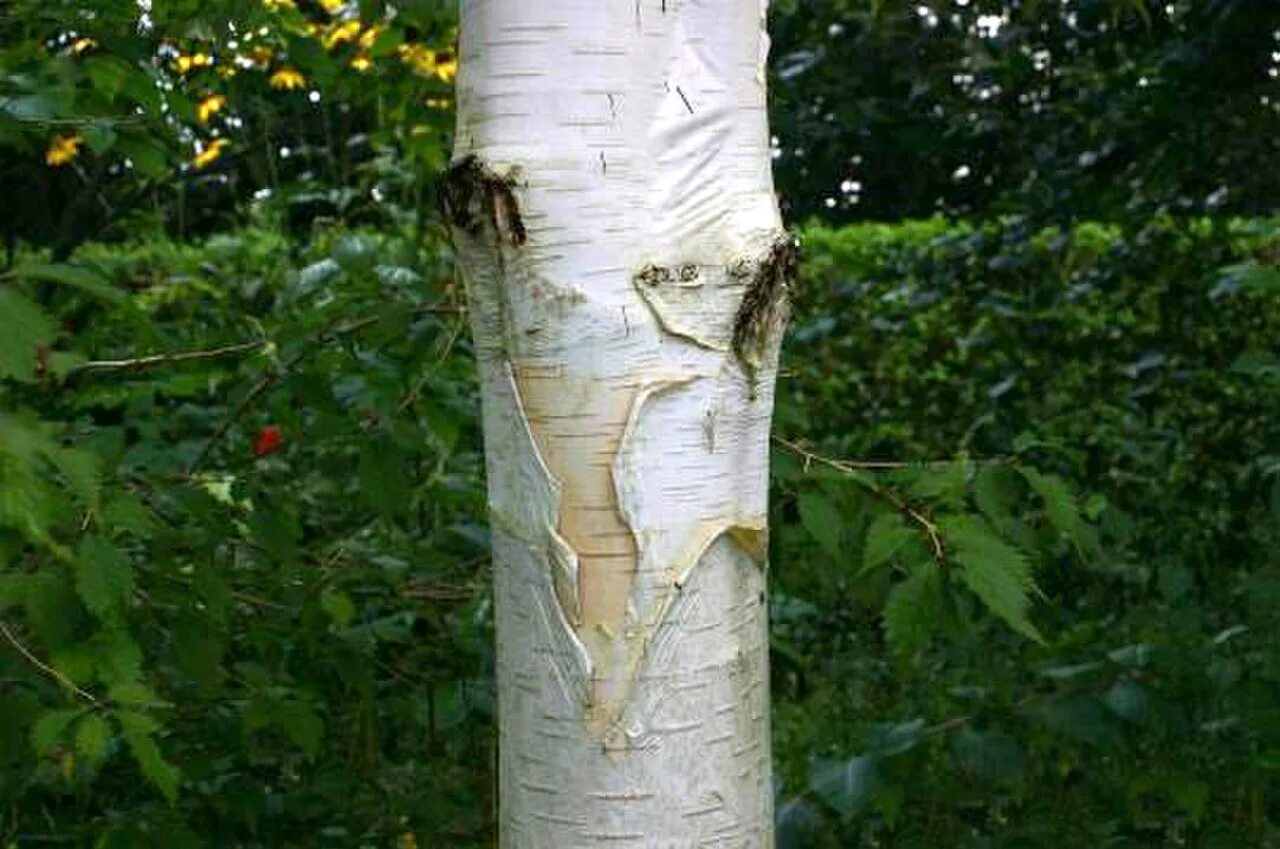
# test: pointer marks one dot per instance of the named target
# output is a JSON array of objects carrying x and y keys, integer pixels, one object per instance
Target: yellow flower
[
  {"x": 287, "y": 79},
  {"x": 227, "y": 72},
  {"x": 331, "y": 6},
  {"x": 262, "y": 55},
  {"x": 62, "y": 150},
  {"x": 361, "y": 63},
  {"x": 277, "y": 5},
  {"x": 428, "y": 62},
  {"x": 342, "y": 34},
  {"x": 370, "y": 36},
  {"x": 210, "y": 106},
  {"x": 82, "y": 45},
  {"x": 418, "y": 57},
  {"x": 447, "y": 68},
  {"x": 211, "y": 153},
  {"x": 185, "y": 63}
]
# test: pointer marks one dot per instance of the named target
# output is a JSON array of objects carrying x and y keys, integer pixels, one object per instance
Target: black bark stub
[
  {"x": 765, "y": 303},
  {"x": 473, "y": 195}
]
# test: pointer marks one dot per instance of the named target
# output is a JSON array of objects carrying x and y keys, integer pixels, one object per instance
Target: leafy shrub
[
  {"x": 1125, "y": 367},
  {"x": 243, "y": 567}
]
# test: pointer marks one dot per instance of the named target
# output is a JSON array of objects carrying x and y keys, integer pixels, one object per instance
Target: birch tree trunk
[{"x": 614, "y": 218}]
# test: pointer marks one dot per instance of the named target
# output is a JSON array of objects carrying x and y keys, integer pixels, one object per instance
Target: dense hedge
[
  {"x": 1138, "y": 367},
  {"x": 265, "y": 566}
]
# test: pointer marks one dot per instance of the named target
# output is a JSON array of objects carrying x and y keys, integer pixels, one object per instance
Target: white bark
[{"x": 616, "y": 228}]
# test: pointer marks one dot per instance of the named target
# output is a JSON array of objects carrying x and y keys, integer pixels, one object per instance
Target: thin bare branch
[
  {"x": 176, "y": 358},
  {"x": 927, "y": 525},
  {"x": 44, "y": 667}
]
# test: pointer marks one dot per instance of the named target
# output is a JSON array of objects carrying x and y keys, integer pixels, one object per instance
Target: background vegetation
[{"x": 1027, "y": 477}]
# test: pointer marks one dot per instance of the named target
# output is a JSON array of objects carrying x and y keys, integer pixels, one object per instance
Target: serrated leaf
[
  {"x": 822, "y": 520},
  {"x": 847, "y": 786},
  {"x": 81, "y": 470},
  {"x": 117, "y": 658},
  {"x": 48, "y": 730},
  {"x": 1059, "y": 504},
  {"x": 147, "y": 753},
  {"x": 125, "y": 512},
  {"x": 104, "y": 578},
  {"x": 912, "y": 609},
  {"x": 995, "y": 491},
  {"x": 943, "y": 483},
  {"x": 885, "y": 538},
  {"x": 76, "y": 277},
  {"x": 996, "y": 572},
  {"x": 93, "y": 735},
  {"x": 24, "y": 329}
]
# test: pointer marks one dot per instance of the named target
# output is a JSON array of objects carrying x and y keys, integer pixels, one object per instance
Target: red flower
[{"x": 267, "y": 441}]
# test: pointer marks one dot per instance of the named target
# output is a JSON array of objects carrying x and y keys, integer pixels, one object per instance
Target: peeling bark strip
[{"x": 626, "y": 320}]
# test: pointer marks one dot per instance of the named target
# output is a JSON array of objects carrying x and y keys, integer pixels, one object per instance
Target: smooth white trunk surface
[{"x": 615, "y": 221}]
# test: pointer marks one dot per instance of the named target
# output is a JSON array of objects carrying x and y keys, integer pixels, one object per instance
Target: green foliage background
[{"x": 1027, "y": 471}]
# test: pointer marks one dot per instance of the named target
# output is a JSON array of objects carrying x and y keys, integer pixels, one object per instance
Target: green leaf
[
  {"x": 995, "y": 491},
  {"x": 137, "y": 729},
  {"x": 104, "y": 578},
  {"x": 1191, "y": 795},
  {"x": 383, "y": 482},
  {"x": 117, "y": 658},
  {"x": 301, "y": 724},
  {"x": 356, "y": 252},
  {"x": 1252, "y": 277},
  {"x": 822, "y": 520},
  {"x": 76, "y": 277},
  {"x": 944, "y": 483},
  {"x": 24, "y": 329},
  {"x": 82, "y": 471},
  {"x": 48, "y": 730},
  {"x": 125, "y": 512},
  {"x": 912, "y": 610},
  {"x": 1127, "y": 700},
  {"x": 1059, "y": 505},
  {"x": 997, "y": 573},
  {"x": 990, "y": 756},
  {"x": 886, "y": 536},
  {"x": 339, "y": 607},
  {"x": 1255, "y": 363},
  {"x": 134, "y": 693},
  {"x": 93, "y": 736},
  {"x": 847, "y": 786}
]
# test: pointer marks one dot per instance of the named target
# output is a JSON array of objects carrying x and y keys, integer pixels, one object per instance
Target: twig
[
  {"x": 926, "y": 524},
  {"x": 173, "y": 358},
  {"x": 411, "y": 397},
  {"x": 44, "y": 667},
  {"x": 272, "y": 376}
]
